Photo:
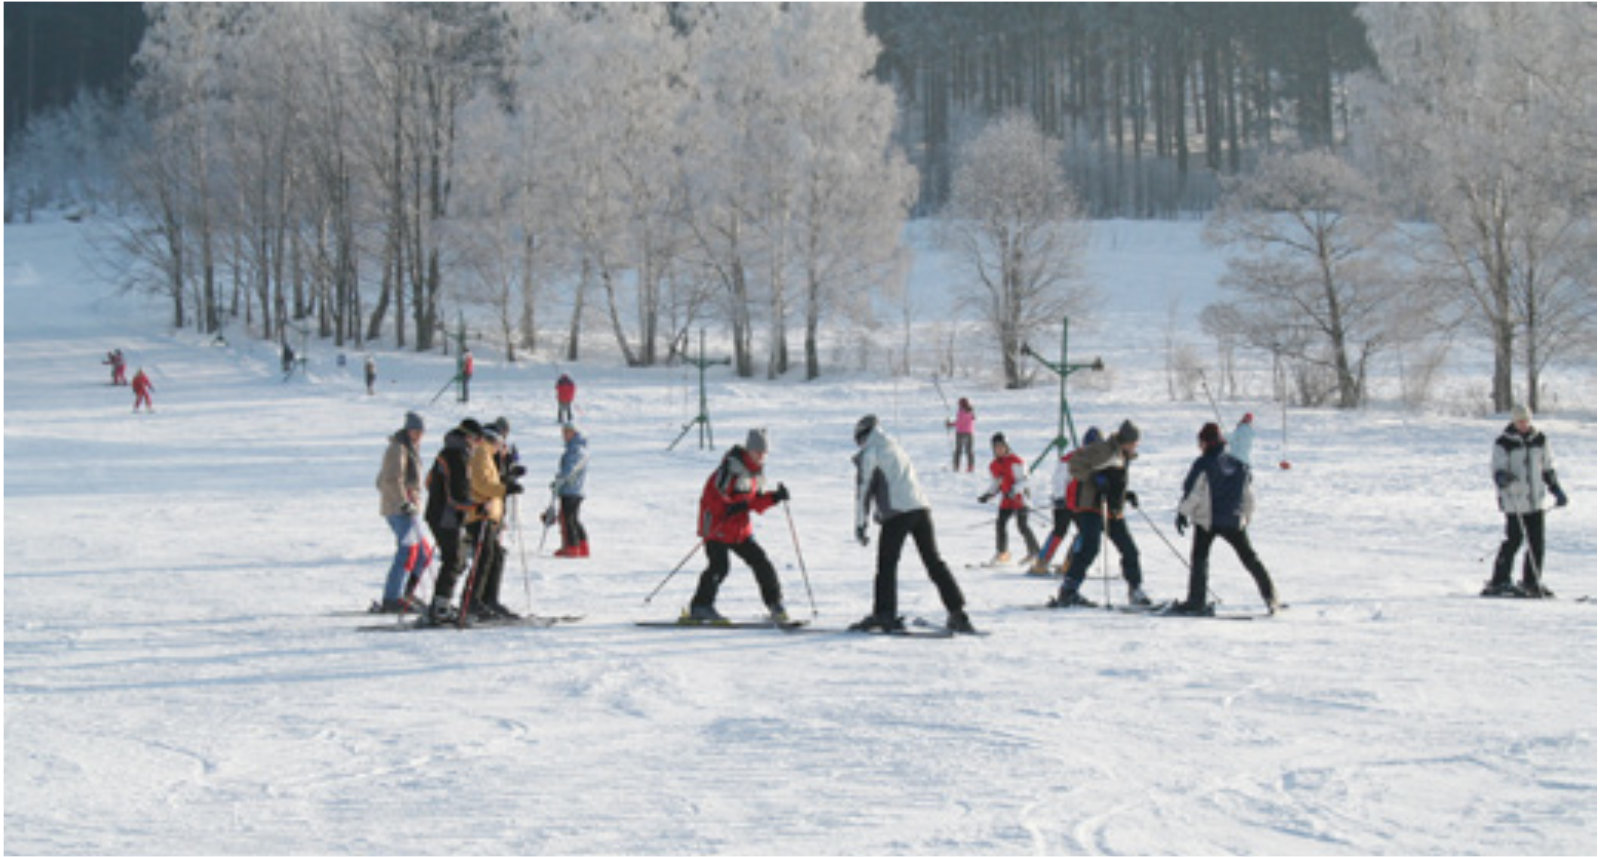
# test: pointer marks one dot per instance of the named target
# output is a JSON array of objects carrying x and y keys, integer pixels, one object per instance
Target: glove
[
  {"x": 1502, "y": 478},
  {"x": 782, "y": 494},
  {"x": 1132, "y": 499},
  {"x": 409, "y": 509},
  {"x": 1561, "y": 496},
  {"x": 517, "y": 471},
  {"x": 513, "y": 488},
  {"x": 985, "y": 497},
  {"x": 862, "y": 537},
  {"x": 555, "y": 485},
  {"x": 738, "y": 508},
  {"x": 547, "y": 517},
  {"x": 1182, "y": 523}
]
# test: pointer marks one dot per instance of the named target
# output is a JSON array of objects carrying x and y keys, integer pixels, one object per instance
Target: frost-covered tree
[
  {"x": 1306, "y": 234},
  {"x": 1016, "y": 223},
  {"x": 1486, "y": 112}
]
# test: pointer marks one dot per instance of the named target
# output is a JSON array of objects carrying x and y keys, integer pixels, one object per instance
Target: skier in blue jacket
[{"x": 1217, "y": 498}]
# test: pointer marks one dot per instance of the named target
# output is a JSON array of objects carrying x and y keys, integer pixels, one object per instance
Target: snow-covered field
[{"x": 175, "y": 683}]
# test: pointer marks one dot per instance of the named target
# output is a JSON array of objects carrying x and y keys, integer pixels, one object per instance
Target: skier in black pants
[
  {"x": 1101, "y": 473},
  {"x": 1523, "y": 468},
  {"x": 886, "y": 479},
  {"x": 1218, "y": 499},
  {"x": 449, "y": 496},
  {"x": 732, "y": 492}
]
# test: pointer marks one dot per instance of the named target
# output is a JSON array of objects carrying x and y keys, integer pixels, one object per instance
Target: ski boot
[
  {"x": 874, "y": 622},
  {"x": 1136, "y": 597},
  {"x": 702, "y": 614},
  {"x": 959, "y": 623},
  {"x": 1001, "y": 558}
]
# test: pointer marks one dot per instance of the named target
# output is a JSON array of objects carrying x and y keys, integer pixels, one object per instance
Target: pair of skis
[{"x": 915, "y": 628}]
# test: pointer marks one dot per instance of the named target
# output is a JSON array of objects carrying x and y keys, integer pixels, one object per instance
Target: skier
[
  {"x": 449, "y": 497},
  {"x": 566, "y": 391},
  {"x": 1009, "y": 480},
  {"x": 1101, "y": 471},
  {"x": 484, "y": 519},
  {"x": 464, "y": 374},
  {"x": 1523, "y": 468},
  {"x": 1063, "y": 499},
  {"x": 114, "y": 360},
  {"x": 399, "y": 501},
  {"x": 371, "y": 368},
  {"x": 1243, "y": 438},
  {"x": 1217, "y": 497},
  {"x": 964, "y": 422},
  {"x": 731, "y": 493},
  {"x": 568, "y": 486},
  {"x": 885, "y": 479},
  {"x": 142, "y": 388}
]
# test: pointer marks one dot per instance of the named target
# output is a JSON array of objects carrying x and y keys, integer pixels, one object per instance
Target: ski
[
  {"x": 766, "y": 624},
  {"x": 422, "y": 624},
  {"x": 928, "y": 628}
]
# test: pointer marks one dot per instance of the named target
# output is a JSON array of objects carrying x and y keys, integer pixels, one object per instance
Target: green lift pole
[
  {"x": 702, "y": 419},
  {"x": 1064, "y": 419}
]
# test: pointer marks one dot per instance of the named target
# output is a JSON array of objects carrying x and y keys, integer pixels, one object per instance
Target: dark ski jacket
[
  {"x": 1216, "y": 493},
  {"x": 449, "y": 489}
]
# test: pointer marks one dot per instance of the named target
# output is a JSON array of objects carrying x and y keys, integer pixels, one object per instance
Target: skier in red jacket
[
  {"x": 732, "y": 492},
  {"x": 566, "y": 391},
  {"x": 141, "y": 391}
]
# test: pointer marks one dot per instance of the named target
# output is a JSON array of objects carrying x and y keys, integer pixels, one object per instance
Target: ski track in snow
[{"x": 174, "y": 684}]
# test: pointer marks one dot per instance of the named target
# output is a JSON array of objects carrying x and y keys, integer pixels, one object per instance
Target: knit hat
[
  {"x": 1210, "y": 435},
  {"x": 491, "y": 435},
  {"x": 413, "y": 421},
  {"x": 1248, "y": 418},
  {"x": 1127, "y": 432},
  {"x": 1520, "y": 413},
  {"x": 1091, "y": 436},
  {"x": 471, "y": 427},
  {"x": 864, "y": 427},
  {"x": 755, "y": 443},
  {"x": 502, "y": 426},
  {"x": 999, "y": 437}
]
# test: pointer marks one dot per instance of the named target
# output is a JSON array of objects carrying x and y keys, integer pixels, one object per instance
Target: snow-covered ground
[{"x": 175, "y": 683}]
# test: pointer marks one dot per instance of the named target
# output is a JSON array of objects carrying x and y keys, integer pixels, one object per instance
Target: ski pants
[
  {"x": 572, "y": 531},
  {"x": 1530, "y": 524},
  {"x": 1000, "y": 540},
  {"x": 488, "y": 562},
  {"x": 918, "y": 524},
  {"x": 717, "y": 571},
  {"x": 563, "y": 412},
  {"x": 1200, "y": 558},
  {"x": 1061, "y": 520},
  {"x": 963, "y": 444},
  {"x": 449, "y": 541},
  {"x": 411, "y": 557},
  {"x": 1086, "y": 549},
  {"x": 143, "y": 396}
]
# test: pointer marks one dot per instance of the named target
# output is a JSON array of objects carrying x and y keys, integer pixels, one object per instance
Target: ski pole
[
  {"x": 522, "y": 550},
  {"x": 675, "y": 569},
  {"x": 446, "y": 386},
  {"x": 801, "y": 558},
  {"x": 1175, "y": 552},
  {"x": 464, "y": 613},
  {"x": 1211, "y": 398}
]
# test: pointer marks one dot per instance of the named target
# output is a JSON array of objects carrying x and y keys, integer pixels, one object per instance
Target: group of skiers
[
  {"x": 476, "y": 472},
  {"x": 478, "y": 469},
  {"x": 142, "y": 387}
]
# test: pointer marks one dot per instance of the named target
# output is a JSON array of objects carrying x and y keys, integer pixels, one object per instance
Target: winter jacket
[
  {"x": 400, "y": 478},
  {"x": 1241, "y": 441},
  {"x": 885, "y": 479},
  {"x": 1063, "y": 488},
  {"x": 488, "y": 493},
  {"x": 1529, "y": 468},
  {"x": 574, "y": 467},
  {"x": 964, "y": 421},
  {"x": 1009, "y": 480},
  {"x": 1217, "y": 493},
  {"x": 1101, "y": 471},
  {"x": 566, "y": 390},
  {"x": 141, "y": 384},
  {"x": 449, "y": 488},
  {"x": 731, "y": 493}
]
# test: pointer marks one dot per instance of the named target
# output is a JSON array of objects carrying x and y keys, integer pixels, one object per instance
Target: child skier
[
  {"x": 1009, "y": 481},
  {"x": 731, "y": 493},
  {"x": 568, "y": 485},
  {"x": 566, "y": 391},
  {"x": 1063, "y": 499},
  {"x": 400, "y": 501},
  {"x": 964, "y": 423},
  {"x": 141, "y": 391}
]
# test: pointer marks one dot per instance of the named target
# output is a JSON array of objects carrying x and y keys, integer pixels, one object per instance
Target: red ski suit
[{"x": 736, "y": 481}]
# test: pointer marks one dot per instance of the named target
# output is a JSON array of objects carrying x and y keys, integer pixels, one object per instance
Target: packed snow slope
[{"x": 176, "y": 681}]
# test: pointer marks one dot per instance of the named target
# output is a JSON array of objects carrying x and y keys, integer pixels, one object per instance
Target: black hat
[
  {"x": 472, "y": 427},
  {"x": 864, "y": 427},
  {"x": 1127, "y": 432},
  {"x": 1210, "y": 435},
  {"x": 502, "y": 426},
  {"x": 999, "y": 437}
]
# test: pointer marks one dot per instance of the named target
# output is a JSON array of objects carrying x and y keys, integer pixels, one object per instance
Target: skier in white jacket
[{"x": 887, "y": 490}]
